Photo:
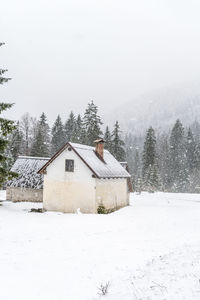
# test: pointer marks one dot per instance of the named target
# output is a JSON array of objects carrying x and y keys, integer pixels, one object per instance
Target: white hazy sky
[{"x": 63, "y": 53}]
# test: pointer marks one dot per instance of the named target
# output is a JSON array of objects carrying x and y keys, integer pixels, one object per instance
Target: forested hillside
[
  {"x": 165, "y": 160},
  {"x": 158, "y": 159},
  {"x": 160, "y": 109}
]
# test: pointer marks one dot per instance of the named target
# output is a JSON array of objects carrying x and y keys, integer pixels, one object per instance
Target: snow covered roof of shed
[
  {"x": 27, "y": 167},
  {"x": 109, "y": 167}
]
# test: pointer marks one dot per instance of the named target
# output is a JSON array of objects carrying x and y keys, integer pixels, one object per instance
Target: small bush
[
  {"x": 103, "y": 288},
  {"x": 101, "y": 209}
]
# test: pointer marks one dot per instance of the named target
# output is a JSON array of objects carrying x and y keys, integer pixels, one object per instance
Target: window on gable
[{"x": 69, "y": 165}]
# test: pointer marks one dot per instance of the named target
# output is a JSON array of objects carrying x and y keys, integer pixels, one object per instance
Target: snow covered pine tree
[
  {"x": 6, "y": 127},
  {"x": 92, "y": 123},
  {"x": 58, "y": 135},
  {"x": 178, "y": 162},
  {"x": 150, "y": 170},
  {"x": 117, "y": 148}
]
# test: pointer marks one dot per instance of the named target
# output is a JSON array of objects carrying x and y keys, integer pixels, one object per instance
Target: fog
[{"x": 62, "y": 54}]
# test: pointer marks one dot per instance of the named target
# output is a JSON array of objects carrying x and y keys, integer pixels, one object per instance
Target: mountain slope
[{"x": 160, "y": 109}]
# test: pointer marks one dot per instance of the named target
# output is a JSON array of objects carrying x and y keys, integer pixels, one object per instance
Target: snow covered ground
[{"x": 149, "y": 250}]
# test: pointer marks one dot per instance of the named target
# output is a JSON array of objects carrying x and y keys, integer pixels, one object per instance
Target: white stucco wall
[
  {"x": 112, "y": 193},
  {"x": 17, "y": 194},
  {"x": 68, "y": 191}
]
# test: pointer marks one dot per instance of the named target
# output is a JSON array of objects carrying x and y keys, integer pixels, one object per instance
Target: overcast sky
[{"x": 62, "y": 54}]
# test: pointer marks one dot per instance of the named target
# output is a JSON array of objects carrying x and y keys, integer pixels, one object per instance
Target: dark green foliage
[
  {"x": 149, "y": 152},
  {"x": 2, "y": 72},
  {"x": 133, "y": 148},
  {"x": 164, "y": 161},
  {"x": 6, "y": 128},
  {"x": 70, "y": 128},
  {"x": 117, "y": 148},
  {"x": 136, "y": 171},
  {"x": 58, "y": 135},
  {"x": 79, "y": 132},
  {"x": 101, "y": 209},
  {"x": 178, "y": 160},
  {"x": 108, "y": 139},
  {"x": 41, "y": 143},
  {"x": 149, "y": 159},
  {"x": 191, "y": 151},
  {"x": 92, "y": 124},
  {"x": 193, "y": 162}
]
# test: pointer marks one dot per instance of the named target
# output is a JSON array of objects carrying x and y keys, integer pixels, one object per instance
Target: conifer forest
[{"x": 158, "y": 161}]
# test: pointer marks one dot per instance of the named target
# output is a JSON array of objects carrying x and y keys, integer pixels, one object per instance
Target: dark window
[{"x": 69, "y": 165}]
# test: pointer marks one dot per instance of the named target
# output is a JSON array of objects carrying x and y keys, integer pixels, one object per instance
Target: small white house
[{"x": 84, "y": 177}]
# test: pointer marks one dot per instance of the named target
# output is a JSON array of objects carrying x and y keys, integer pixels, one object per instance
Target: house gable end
[{"x": 43, "y": 170}]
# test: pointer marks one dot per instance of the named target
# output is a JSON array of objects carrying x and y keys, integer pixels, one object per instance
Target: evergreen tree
[
  {"x": 41, "y": 143},
  {"x": 6, "y": 128},
  {"x": 164, "y": 161},
  {"x": 193, "y": 162},
  {"x": 117, "y": 144},
  {"x": 2, "y": 81},
  {"x": 178, "y": 159},
  {"x": 149, "y": 152},
  {"x": 150, "y": 169},
  {"x": 70, "y": 128},
  {"x": 58, "y": 135},
  {"x": 108, "y": 139},
  {"x": 79, "y": 133},
  {"x": 136, "y": 171},
  {"x": 92, "y": 124},
  {"x": 195, "y": 128},
  {"x": 133, "y": 149},
  {"x": 191, "y": 151}
]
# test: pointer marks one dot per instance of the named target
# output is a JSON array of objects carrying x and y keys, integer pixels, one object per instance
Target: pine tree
[
  {"x": 58, "y": 135},
  {"x": 150, "y": 168},
  {"x": 41, "y": 143},
  {"x": 195, "y": 128},
  {"x": 149, "y": 152},
  {"x": 117, "y": 143},
  {"x": 191, "y": 150},
  {"x": 163, "y": 155},
  {"x": 108, "y": 139},
  {"x": 79, "y": 133},
  {"x": 70, "y": 128},
  {"x": 193, "y": 162},
  {"x": 2, "y": 81},
  {"x": 92, "y": 124},
  {"x": 178, "y": 159},
  {"x": 136, "y": 172},
  {"x": 6, "y": 128}
]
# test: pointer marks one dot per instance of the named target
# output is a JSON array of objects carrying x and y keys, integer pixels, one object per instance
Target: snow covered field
[{"x": 150, "y": 250}]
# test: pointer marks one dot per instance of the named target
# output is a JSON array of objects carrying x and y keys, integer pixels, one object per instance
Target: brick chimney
[{"x": 99, "y": 147}]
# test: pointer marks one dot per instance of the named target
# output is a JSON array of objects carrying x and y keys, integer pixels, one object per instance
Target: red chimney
[{"x": 99, "y": 147}]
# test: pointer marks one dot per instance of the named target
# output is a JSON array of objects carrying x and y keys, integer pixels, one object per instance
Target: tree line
[
  {"x": 167, "y": 162},
  {"x": 33, "y": 137},
  {"x": 158, "y": 161}
]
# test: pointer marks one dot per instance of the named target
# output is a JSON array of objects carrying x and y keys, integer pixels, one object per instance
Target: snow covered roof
[
  {"x": 27, "y": 167},
  {"x": 109, "y": 167}
]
